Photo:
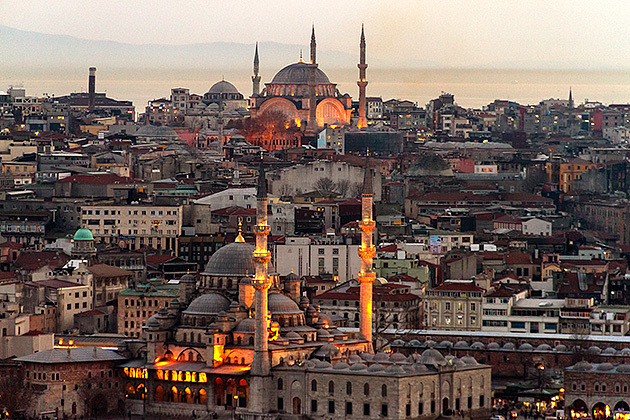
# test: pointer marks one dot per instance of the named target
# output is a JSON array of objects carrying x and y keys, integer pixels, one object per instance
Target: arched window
[
  {"x": 203, "y": 397},
  {"x": 279, "y": 383},
  {"x": 596, "y": 387},
  {"x": 184, "y": 337},
  {"x": 251, "y": 341},
  {"x": 238, "y": 340},
  {"x": 366, "y": 390},
  {"x": 190, "y": 356},
  {"x": 331, "y": 387},
  {"x": 159, "y": 393},
  {"x": 384, "y": 390},
  {"x": 574, "y": 386},
  {"x": 349, "y": 388},
  {"x": 198, "y": 338},
  {"x": 604, "y": 387},
  {"x": 314, "y": 385}
]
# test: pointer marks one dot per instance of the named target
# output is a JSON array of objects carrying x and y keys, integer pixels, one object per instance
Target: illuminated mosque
[
  {"x": 305, "y": 94},
  {"x": 242, "y": 342}
]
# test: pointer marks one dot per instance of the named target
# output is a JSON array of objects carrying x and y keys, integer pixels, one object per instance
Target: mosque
[
  {"x": 305, "y": 94},
  {"x": 242, "y": 341}
]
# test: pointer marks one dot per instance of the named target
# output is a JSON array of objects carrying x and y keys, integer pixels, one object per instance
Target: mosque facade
[
  {"x": 242, "y": 340},
  {"x": 302, "y": 92}
]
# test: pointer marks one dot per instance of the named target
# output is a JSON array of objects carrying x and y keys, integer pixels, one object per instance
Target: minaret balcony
[
  {"x": 367, "y": 252},
  {"x": 262, "y": 229},
  {"x": 366, "y": 277}
]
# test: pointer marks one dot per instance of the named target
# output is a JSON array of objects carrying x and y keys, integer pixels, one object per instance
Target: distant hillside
[{"x": 25, "y": 49}]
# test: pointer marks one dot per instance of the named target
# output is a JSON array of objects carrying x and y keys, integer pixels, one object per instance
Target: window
[
  {"x": 69, "y": 306},
  {"x": 482, "y": 400},
  {"x": 447, "y": 306},
  {"x": 384, "y": 390},
  {"x": 320, "y": 251},
  {"x": 384, "y": 410},
  {"x": 518, "y": 324},
  {"x": 408, "y": 410},
  {"x": 279, "y": 382},
  {"x": 313, "y": 406},
  {"x": 366, "y": 409},
  {"x": 331, "y": 406},
  {"x": 366, "y": 390},
  {"x": 331, "y": 387},
  {"x": 348, "y": 408},
  {"x": 280, "y": 404},
  {"x": 469, "y": 402},
  {"x": 420, "y": 408},
  {"x": 349, "y": 388}
]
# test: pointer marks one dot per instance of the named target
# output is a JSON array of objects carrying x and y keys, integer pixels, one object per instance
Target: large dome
[
  {"x": 208, "y": 304},
  {"x": 223, "y": 87},
  {"x": 280, "y": 304},
  {"x": 298, "y": 74},
  {"x": 233, "y": 260}
]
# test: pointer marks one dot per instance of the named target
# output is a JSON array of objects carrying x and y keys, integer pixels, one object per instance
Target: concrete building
[
  {"x": 136, "y": 305},
  {"x": 136, "y": 226},
  {"x": 454, "y": 305}
]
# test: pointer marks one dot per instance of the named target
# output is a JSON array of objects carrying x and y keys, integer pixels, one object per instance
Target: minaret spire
[
  {"x": 362, "y": 82},
  {"x": 261, "y": 363},
  {"x": 312, "y": 125},
  {"x": 313, "y": 47},
  {"x": 366, "y": 251},
  {"x": 256, "y": 75}
]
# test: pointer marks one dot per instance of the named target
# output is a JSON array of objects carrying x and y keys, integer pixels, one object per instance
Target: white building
[
  {"x": 537, "y": 227},
  {"x": 333, "y": 137},
  {"x": 305, "y": 257}
]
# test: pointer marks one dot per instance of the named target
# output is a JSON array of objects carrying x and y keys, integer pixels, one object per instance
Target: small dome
[
  {"x": 430, "y": 344},
  {"x": 83, "y": 235},
  {"x": 459, "y": 363},
  {"x": 367, "y": 357},
  {"x": 494, "y": 346},
  {"x": 461, "y": 345},
  {"x": 625, "y": 351},
  {"x": 322, "y": 364},
  {"x": 208, "y": 304},
  {"x": 414, "y": 343},
  {"x": 395, "y": 370},
  {"x": 397, "y": 343},
  {"x": 432, "y": 357},
  {"x": 561, "y": 347},
  {"x": 341, "y": 366},
  {"x": 477, "y": 345},
  {"x": 604, "y": 367},
  {"x": 445, "y": 344},
  {"x": 376, "y": 367},
  {"x": 469, "y": 360},
  {"x": 609, "y": 351},
  {"x": 526, "y": 347},
  {"x": 509, "y": 346},
  {"x": 298, "y": 74},
  {"x": 152, "y": 322},
  {"x": 583, "y": 366},
  {"x": 420, "y": 368},
  {"x": 233, "y": 260},
  {"x": 245, "y": 280},
  {"x": 246, "y": 326},
  {"x": 280, "y": 304},
  {"x": 188, "y": 278},
  {"x": 397, "y": 358},
  {"x": 292, "y": 277},
  {"x": 380, "y": 357},
  {"x": 323, "y": 333},
  {"x": 544, "y": 347},
  {"x": 354, "y": 358},
  {"x": 594, "y": 350},
  {"x": 327, "y": 350},
  {"x": 223, "y": 87},
  {"x": 358, "y": 366},
  {"x": 623, "y": 368}
]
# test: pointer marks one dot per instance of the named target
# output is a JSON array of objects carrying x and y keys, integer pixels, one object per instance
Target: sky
[{"x": 450, "y": 33}]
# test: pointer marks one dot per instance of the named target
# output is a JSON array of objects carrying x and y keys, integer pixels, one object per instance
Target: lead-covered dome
[
  {"x": 208, "y": 304},
  {"x": 83, "y": 235},
  {"x": 280, "y": 304},
  {"x": 233, "y": 260},
  {"x": 223, "y": 87},
  {"x": 298, "y": 74}
]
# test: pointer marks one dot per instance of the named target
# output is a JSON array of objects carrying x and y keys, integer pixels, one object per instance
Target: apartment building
[
  {"x": 137, "y": 304},
  {"x": 134, "y": 226},
  {"x": 454, "y": 305}
]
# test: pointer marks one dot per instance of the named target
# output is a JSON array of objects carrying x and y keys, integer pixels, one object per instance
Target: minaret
[
  {"x": 261, "y": 362},
  {"x": 362, "y": 82},
  {"x": 256, "y": 75},
  {"x": 366, "y": 251},
  {"x": 312, "y": 103},
  {"x": 570, "y": 99}
]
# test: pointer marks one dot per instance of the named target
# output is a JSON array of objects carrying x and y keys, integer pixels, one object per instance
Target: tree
[
  {"x": 356, "y": 190},
  {"x": 343, "y": 187},
  {"x": 14, "y": 395},
  {"x": 325, "y": 186}
]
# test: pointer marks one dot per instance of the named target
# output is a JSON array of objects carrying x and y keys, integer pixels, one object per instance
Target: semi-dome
[
  {"x": 83, "y": 235},
  {"x": 208, "y": 304},
  {"x": 233, "y": 260},
  {"x": 299, "y": 74},
  {"x": 280, "y": 304},
  {"x": 223, "y": 87}
]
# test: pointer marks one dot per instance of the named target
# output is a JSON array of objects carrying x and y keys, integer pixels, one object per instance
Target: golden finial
[
  {"x": 291, "y": 270},
  {"x": 301, "y": 60},
  {"x": 188, "y": 271},
  {"x": 368, "y": 151},
  {"x": 261, "y": 155},
  {"x": 239, "y": 237}
]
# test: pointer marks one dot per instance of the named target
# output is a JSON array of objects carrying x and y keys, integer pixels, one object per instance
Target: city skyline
[{"x": 453, "y": 34}]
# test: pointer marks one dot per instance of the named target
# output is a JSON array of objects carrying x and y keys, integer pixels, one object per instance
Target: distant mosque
[{"x": 304, "y": 93}]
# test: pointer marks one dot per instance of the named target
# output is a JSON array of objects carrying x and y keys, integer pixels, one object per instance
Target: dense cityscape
[{"x": 291, "y": 251}]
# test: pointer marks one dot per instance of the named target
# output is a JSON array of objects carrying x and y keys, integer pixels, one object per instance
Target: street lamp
[{"x": 234, "y": 404}]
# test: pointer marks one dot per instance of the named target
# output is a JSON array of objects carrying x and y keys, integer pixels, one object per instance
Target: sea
[{"x": 472, "y": 88}]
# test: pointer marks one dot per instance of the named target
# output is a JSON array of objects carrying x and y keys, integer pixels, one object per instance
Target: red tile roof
[
  {"x": 388, "y": 248},
  {"x": 11, "y": 244},
  {"x": 234, "y": 211},
  {"x": 159, "y": 259},
  {"x": 31, "y": 261},
  {"x": 518, "y": 258},
  {"x": 100, "y": 179}
]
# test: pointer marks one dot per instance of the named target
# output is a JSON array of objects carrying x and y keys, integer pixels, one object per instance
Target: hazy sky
[{"x": 513, "y": 33}]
